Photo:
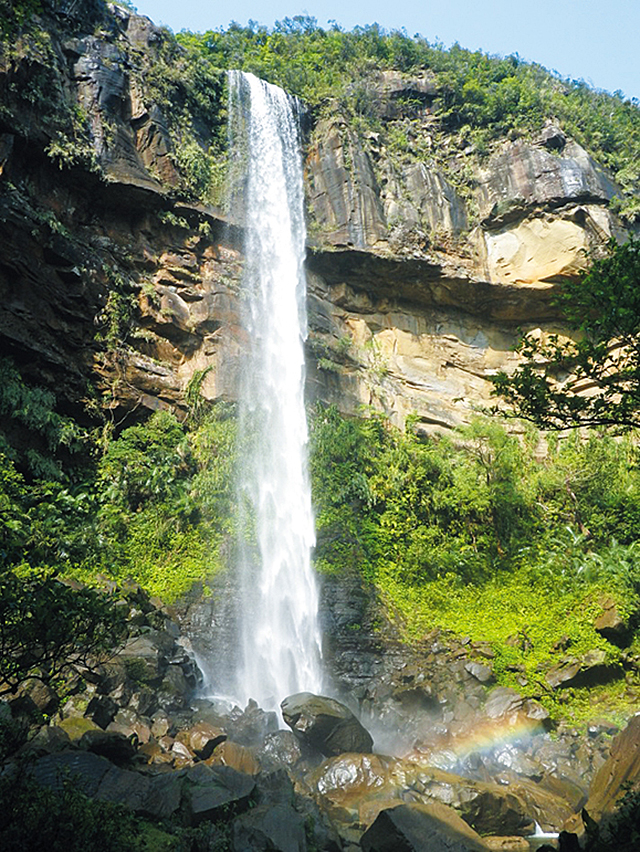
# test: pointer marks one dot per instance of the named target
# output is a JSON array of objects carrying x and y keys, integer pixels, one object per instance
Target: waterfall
[{"x": 279, "y": 632}]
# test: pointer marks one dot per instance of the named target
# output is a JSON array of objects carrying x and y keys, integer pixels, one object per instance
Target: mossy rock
[{"x": 76, "y": 726}]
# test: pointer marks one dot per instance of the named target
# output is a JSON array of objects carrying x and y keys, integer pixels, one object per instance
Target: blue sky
[{"x": 583, "y": 39}]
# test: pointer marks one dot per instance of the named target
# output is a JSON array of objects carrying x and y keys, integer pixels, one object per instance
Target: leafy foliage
[
  {"x": 48, "y": 627},
  {"x": 481, "y": 536},
  {"x": 425, "y": 508},
  {"x": 593, "y": 380},
  {"x": 14, "y": 14},
  {"x": 45, "y": 435},
  {"x": 37, "y": 818}
]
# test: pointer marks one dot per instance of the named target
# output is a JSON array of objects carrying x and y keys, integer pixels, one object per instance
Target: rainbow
[{"x": 487, "y": 735}]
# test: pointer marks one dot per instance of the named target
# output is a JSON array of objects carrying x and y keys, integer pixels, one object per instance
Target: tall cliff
[{"x": 114, "y": 275}]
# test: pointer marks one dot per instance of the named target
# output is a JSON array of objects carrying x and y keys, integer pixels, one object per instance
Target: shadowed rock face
[{"x": 620, "y": 773}]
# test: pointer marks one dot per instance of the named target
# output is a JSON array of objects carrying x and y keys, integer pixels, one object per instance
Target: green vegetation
[
  {"x": 14, "y": 14},
  {"x": 148, "y": 504},
  {"x": 66, "y": 820},
  {"x": 190, "y": 93},
  {"x": 602, "y": 309},
  {"x": 476, "y": 533},
  {"x": 49, "y": 628},
  {"x": 478, "y": 536}
]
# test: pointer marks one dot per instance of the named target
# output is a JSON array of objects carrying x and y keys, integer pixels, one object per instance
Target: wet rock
[
  {"x": 356, "y": 787},
  {"x": 421, "y": 828},
  {"x": 204, "y": 738},
  {"x": 282, "y": 750},
  {"x": 252, "y": 726},
  {"x": 128, "y": 723},
  {"x": 507, "y": 844},
  {"x": 325, "y": 724},
  {"x": 160, "y": 725},
  {"x": 276, "y": 828},
  {"x": 492, "y": 809},
  {"x": 237, "y": 756},
  {"x": 507, "y": 704},
  {"x": 181, "y": 751}
]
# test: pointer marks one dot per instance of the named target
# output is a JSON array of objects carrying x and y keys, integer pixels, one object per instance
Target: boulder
[
  {"x": 127, "y": 722},
  {"x": 507, "y": 844},
  {"x": 481, "y": 672},
  {"x": 589, "y": 670},
  {"x": 252, "y": 726},
  {"x": 41, "y": 694},
  {"x": 269, "y": 828},
  {"x": 509, "y": 706},
  {"x": 237, "y": 756},
  {"x": 101, "y": 710},
  {"x": 48, "y": 740},
  {"x": 76, "y": 726},
  {"x": 282, "y": 750},
  {"x": 211, "y": 791},
  {"x": 195, "y": 794},
  {"x": 325, "y": 724},
  {"x": 204, "y": 738},
  {"x": 355, "y": 788},
  {"x": 611, "y": 625},
  {"x": 421, "y": 828},
  {"x": 113, "y": 745}
]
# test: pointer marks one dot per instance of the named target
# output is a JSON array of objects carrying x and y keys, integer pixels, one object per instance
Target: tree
[
  {"x": 594, "y": 378},
  {"x": 47, "y": 627}
]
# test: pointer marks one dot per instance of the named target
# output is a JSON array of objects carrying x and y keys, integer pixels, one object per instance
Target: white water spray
[{"x": 280, "y": 635}]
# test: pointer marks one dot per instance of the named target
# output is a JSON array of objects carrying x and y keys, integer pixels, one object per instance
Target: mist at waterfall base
[{"x": 276, "y": 629}]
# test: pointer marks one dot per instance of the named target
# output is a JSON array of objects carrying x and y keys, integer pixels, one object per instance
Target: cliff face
[{"x": 417, "y": 282}]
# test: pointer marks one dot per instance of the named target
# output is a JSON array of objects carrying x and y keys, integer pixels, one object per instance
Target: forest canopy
[{"x": 478, "y": 97}]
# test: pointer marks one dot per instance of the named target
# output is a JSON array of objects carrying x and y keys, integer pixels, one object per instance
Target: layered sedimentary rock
[{"x": 416, "y": 287}]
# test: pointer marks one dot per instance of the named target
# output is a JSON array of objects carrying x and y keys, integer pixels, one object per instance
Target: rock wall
[{"x": 417, "y": 288}]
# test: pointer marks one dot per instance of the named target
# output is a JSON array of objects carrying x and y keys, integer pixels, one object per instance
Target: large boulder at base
[
  {"x": 325, "y": 724},
  {"x": 421, "y": 828}
]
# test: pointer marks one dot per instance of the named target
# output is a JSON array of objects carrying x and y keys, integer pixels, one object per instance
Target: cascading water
[{"x": 279, "y": 630}]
